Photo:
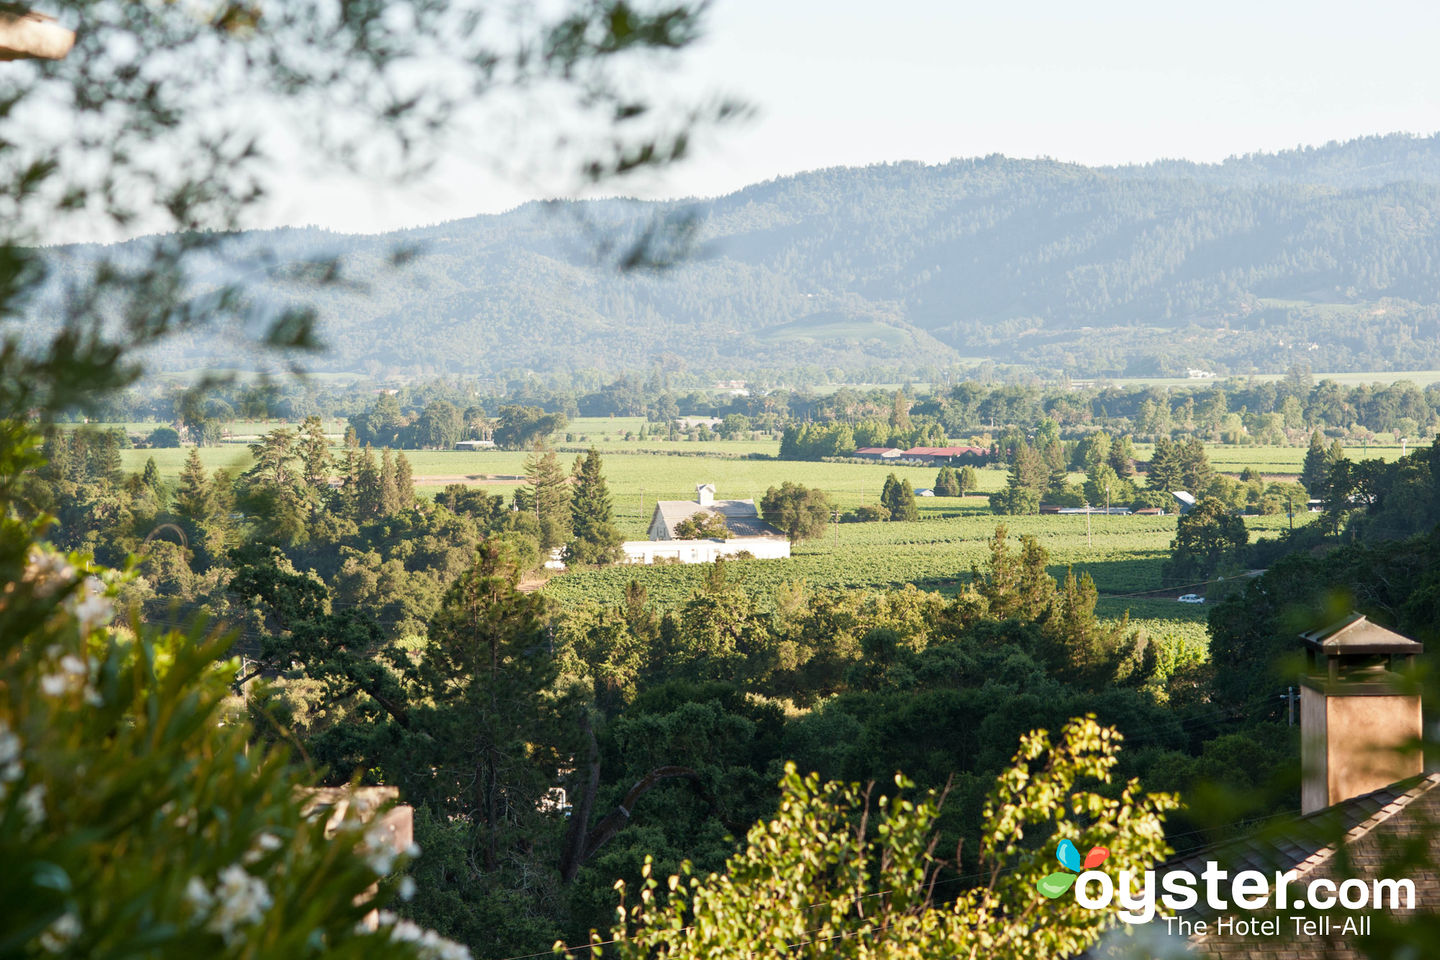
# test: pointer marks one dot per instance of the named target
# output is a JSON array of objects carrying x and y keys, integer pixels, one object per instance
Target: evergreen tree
[
  {"x": 272, "y": 492},
  {"x": 1028, "y": 480},
  {"x": 550, "y": 497},
  {"x": 102, "y": 459},
  {"x": 368, "y": 499},
  {"x": 1165, "y": 473},
  {"x": 150, "y": 480},
  {"x": 946, "y": 483},
  {"x": 404, "y": 480},
  {"x": 482, "y": 742},
  {"x": 898, "y": 499},
  {"x": 389, "y": 485},
  {"x": 1316, "y": 466},
  {"x": 316, "y": 464},
  {"x": 595, "y": 538},
  {"x": 967, "y": 481},
  {"x": 1195, "y": 470},
  {"x": 194, "y": 499},
  {"x": 900, "y": 414},
  {"x": 1122, "y": 457}
]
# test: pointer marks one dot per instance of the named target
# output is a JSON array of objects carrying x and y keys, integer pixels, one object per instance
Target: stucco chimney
[
  {"x": 1359, "y": 731},
  {"x": 705, "y": 493}
]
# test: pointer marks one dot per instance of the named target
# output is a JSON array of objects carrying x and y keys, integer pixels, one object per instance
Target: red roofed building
[{"x": 946, "y": 454}]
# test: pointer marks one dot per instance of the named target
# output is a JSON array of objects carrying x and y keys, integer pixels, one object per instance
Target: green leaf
[{"x": 1055, "y": 884}]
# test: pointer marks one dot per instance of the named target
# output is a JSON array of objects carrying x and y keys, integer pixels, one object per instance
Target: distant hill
[{"x": 1325, "y": 255}]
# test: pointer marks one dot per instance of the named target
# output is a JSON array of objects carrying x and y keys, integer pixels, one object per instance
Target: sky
[{"x": 842, "y": 82}]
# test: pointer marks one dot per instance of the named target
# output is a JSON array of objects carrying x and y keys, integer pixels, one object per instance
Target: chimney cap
[{"x": 1355, "y": 635}]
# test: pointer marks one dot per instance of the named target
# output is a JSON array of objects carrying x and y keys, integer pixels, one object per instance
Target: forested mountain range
[{"x": 1324, "y": 256}]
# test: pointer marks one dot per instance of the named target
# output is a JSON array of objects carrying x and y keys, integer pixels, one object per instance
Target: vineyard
[{"x": 1123, "y": 554}]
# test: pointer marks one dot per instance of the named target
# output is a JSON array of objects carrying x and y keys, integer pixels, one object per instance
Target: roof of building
[
  {"x": 1305, "y": 848},
  {"x": 946, "y": 451},
  {"x": 741, "y": 517},
  {"x": 876, "y": 451},
  {"x": 1300, "y": 843},
  {"x": 1357, "y": 635}
]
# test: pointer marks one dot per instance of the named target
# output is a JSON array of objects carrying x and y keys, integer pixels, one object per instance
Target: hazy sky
[{"x": 841, "y": 82}]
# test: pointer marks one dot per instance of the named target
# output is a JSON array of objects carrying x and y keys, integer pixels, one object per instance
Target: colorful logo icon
[{"x": 1061, "y": 880}]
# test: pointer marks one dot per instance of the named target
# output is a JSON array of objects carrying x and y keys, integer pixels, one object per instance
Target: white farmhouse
[{"x": 748, "y": 533}]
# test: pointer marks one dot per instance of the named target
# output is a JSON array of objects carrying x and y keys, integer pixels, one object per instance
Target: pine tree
[
  {"x": 898, "y": 498},
  {"x": 1028, "y": 479},
  {"x": 102, "y": 461},
  {"x": 484, "y": 746},
  {"x": 1195, "y": 470},
  {"x": 404, "y": 480},
  {"x": 900, "y": 414},
  {"x": 946, "y": 483},
  {"x": 316, "y": 464},
  {"x": 368, "y": 500},
  {"x": 1122, "y": 457},
  {"x": 194, "y": 500},
  {"x": 595, "y": 538},
  {"x": 150, "y": 480},
  {"x": 550, "y": 495},
  {"x": 1316, "y": 467},
  {"x": 389, "y": 485},
  {"x": 1165, "y": 473}
]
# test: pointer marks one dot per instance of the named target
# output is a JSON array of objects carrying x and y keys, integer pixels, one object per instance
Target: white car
[{"x": 1191, "y": 598}]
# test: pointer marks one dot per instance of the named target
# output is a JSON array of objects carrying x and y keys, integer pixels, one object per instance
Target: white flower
[
  {"x": 264, "y": 843},
  {"x": 240, "y": 900},
  {"x": 378, "y": 851},
  {"x": 9, "y": 745},
  {"x": 432, "y": 945},
  {"x": 54, "y": 684},
  {"x": 198, "y": 896},
  {"x": 91, "y": 607},
  {"x": 32, "y": 804},
  {"x": 47, "y": 571},
  {"x": 407, "y": 887},
  {"x": 61, "y": 933},
  {"x": 73, "y": 665}
]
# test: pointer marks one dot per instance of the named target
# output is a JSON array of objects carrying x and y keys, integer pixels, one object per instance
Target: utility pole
[
  {"x": 1087, "y": 525},
  {"x": 1290, "y": 702}
]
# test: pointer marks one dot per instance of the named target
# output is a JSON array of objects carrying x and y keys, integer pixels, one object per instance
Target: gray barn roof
[{"x": 741, "y": 517}]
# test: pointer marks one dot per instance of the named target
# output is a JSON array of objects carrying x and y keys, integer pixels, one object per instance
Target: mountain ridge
[{"x": 1322, "y": 255}]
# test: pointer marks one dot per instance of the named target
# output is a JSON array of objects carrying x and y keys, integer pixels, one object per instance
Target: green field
[{"x": 1124, "y": 555}]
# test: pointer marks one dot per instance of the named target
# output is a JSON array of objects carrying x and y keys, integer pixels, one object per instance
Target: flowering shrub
[{"x": 135, "y": 818}]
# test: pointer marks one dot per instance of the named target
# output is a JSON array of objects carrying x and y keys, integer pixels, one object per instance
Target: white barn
[{"x": 749, "y": 534}]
